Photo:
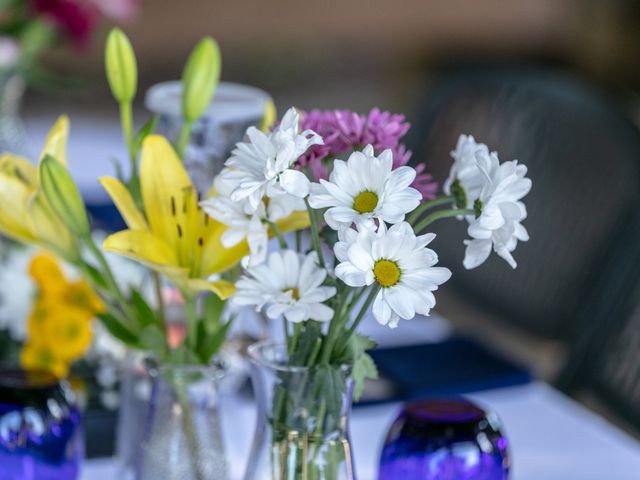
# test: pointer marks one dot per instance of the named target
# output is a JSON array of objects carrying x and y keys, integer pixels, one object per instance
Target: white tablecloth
[{"x": 551, "y": 436}]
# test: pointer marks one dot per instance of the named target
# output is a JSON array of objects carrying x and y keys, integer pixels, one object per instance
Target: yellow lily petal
[
  {"x": 215, "y": 257},
  {"x": 19, "y": 168},
  {"x": 222, "y": 288},
  {"x": 170, "y": 200},
  {"x": 14, "y": 195},
  {"x": 124, "y": 202},
  {"x": 146, "y": 248},
  {"x": 56, "y": 143},
  {"x": 295, "y": 221}
]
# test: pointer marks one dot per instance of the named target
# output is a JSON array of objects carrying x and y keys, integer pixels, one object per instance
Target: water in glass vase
[{"x": 303, "y": 419}]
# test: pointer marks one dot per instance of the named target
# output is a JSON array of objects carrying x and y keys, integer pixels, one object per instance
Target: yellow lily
[
  {"x": 173, "y": 236},
  {"x": 25, "y": 214}
]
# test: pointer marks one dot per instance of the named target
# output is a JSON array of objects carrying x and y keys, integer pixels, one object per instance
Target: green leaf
[
  {"x": 95, "y": 276},
  {"x": 212, "y": 308},
  {"x": 146, "y": 130},
  {"x": 118, "y": 329},
  {"x": 153, "y": 338},
  {"x": 144, "y": 313},
  {"x": 363, "y": 368},
  {"x": 210, "y": 345}
]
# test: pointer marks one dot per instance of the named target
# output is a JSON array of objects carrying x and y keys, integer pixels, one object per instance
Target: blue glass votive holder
[
  {"x": 444, "y": 439},
  {"x": 40, "y": 431}
]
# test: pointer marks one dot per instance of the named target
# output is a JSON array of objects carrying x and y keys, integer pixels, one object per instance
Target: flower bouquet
[{"x": 368, "y": 250}]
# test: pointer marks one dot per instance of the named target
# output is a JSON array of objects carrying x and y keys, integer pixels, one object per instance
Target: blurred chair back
[
  {"x": 583, "y": 157},
  {"x": 605, "y": 357}
]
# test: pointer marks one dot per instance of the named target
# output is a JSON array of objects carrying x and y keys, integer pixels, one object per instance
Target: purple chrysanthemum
[{"x": 344, "y": 131}]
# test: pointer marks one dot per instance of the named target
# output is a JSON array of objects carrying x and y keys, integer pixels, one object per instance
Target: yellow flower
[
  {"x": 25, "y": 214},
  {"x": 47, "y": 273},
  {"x": 45, "y": 270},
  {"x": 68, "y": 332},
  {"x": 40, "y": 356},
  {"x": 173, "y": 236}
]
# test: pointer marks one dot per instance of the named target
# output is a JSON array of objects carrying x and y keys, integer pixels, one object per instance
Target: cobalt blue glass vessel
[
  {"x": 40, "y": 431},
  {"x": 444, "y": 439}
]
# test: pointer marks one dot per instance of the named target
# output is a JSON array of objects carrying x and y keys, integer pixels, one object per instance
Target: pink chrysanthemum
[{"x": 344, "y": 131}]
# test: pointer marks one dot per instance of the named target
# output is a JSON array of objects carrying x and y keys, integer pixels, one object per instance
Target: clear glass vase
[
  {"x": 182, "y": 438},
  {"x": 302, "y": 430}
]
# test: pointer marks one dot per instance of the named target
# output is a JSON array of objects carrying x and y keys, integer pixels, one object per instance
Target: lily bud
[
  {"x": 121, "y": 67},
  {"x": 63, "y": 196},
  {"x": 200, "y": 78},
  {"x": 269, "y": 116}
]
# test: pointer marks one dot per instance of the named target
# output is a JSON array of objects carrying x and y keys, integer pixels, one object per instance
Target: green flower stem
[
  {"x": 429, "y": 219},
  {"x": 106, "y": 270},
  {"x": 363, "y": 310},
  {"x": 157, "y": 285},
  {"x": 126, "y": 119},
  {"x": 339, "y": 320},
  {"x": 299, "y": 241},
  {"x": 192, "y": 319},
  {"x": 183, "y": 138},
  {"x": 314, "y": 353},
  {"x": 423, "y": 207},
  {"x": 278, "y": 233},
  {"x": 315, "y": 236},
  {"x": 286, "y": 334}
]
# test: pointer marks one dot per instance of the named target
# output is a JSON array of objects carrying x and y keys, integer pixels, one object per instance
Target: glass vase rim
[
  {"x": 213, "y": 370},
  {"x": 164, "y": 98},
  {"x": 255, "y": 353}
]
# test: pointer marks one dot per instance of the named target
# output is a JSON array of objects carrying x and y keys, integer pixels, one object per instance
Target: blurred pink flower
[
  {"x": 77, "y": 19},
  {"x": 122, "y": 11},
  {"x": 344, "y": 131}
]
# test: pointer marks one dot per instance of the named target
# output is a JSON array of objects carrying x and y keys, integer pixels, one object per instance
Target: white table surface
[{"x": 551, "y": 436}]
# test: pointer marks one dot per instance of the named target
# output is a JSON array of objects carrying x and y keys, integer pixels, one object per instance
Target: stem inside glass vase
[
  {"x": 302, "y": 431},
  {"x": 183, "y": 438}
]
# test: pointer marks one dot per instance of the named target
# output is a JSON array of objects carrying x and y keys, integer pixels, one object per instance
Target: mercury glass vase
[
  {"x": 182, "y": 439},
  {"x": 302, "y": 430},
  {"x": 40, "y": 431},
  {"x": 234, "y": 108},
  {"x": 445, "y": 439},
  {"x": 13, "y": 136}
]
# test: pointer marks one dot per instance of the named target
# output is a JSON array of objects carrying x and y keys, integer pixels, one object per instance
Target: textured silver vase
[{"x": 234, "y": 108}]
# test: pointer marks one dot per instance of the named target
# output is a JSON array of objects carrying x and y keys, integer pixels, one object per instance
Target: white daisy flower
[
  {"x": 365, "y": 188},
  {"x": 264, "y": 165},
  {"x": 287, "y": 284},
  {"x": 397, "y": 261},
  {"x": 499, "y": 212},
  {"x": 245, "y": 222},
  {"x": 465, "y": 181}
]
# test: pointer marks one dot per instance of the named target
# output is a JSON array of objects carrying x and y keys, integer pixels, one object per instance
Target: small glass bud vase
[
  {"x": 183, "y": 439},
  {"x": 302, "y": 430}
]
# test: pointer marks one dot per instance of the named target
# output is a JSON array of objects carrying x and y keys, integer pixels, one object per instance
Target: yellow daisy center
[
  {"x": 295, "y": 294},
  {"x": 386, "y": 272},
  {"x": 365, "y": 202}
]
